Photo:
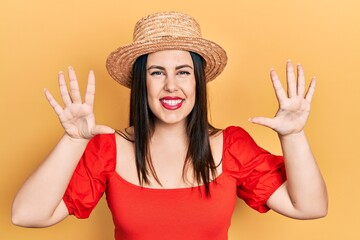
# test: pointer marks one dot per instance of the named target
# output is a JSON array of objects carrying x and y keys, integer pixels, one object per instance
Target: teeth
[{"x": 172, "y": 102}]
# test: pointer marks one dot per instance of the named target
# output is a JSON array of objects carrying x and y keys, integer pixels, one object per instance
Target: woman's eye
[
  {"x": 184, "y": 73},
  {"x": 156, "y": 73}
]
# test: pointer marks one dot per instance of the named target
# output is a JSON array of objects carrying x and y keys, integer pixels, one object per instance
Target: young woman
[{"x": 171, "y": 175}]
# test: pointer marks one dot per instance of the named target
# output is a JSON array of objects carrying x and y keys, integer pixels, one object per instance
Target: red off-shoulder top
[{"x": 248, "y": 171}]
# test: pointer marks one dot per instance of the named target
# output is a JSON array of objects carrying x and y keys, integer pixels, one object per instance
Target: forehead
[{"x": 169, "y": 58}]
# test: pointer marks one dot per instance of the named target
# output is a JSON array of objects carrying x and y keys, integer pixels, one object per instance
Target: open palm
[
  {"x": 294, "y": 106},
  {"x": 77, "y": 118}
]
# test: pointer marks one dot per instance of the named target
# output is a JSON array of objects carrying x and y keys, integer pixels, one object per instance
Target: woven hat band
[{"x": 168, "y": 24}]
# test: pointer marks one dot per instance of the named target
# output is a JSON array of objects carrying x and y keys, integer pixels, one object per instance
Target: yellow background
[{"x": 40, "y": 38}]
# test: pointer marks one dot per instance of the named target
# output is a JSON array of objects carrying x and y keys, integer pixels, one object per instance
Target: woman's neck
[{"x": 170, "y": 133}]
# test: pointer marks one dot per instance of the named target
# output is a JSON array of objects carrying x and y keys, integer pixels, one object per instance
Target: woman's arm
[
  {"x": 39, "y": 201},
  {"x": 304, "y": 194}
]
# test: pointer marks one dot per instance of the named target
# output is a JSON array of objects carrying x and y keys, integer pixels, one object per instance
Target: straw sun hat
[{"x": 165, "y": 31}]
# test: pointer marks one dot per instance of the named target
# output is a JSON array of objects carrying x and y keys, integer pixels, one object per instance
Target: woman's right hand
[{"x": 76, "y": 117}]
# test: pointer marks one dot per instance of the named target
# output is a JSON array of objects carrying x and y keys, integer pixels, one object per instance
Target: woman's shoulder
[
  {"x": 101, "y": 141},
  {"x": 125, "y": 143},
  {"x": 126, "y": 134},
  {"x": 228, "y": 135},
  {"x": 235, "y": 133},
  {"x": 238, "y": 142},
  {"x": 125, "y": 156}
]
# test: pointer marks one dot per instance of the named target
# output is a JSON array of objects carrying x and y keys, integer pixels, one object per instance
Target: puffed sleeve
[
  {"x": 89, "y": 179},
  {"x": 257, "y": 172}
]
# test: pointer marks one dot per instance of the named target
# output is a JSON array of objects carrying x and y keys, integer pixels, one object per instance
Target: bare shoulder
[
  {"x": 216, "y": 143},
  {"x": 216, "y": 138},
  {"x": 126, "y": 134},
  {"x": 125, "y": 140},
  {"x": 125, "y": 159}
]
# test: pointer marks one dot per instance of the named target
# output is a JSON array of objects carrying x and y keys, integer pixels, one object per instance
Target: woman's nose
[{"x": 170, "y": 83}]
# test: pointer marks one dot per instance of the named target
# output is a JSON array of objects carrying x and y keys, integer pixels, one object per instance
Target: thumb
[
  {"x": 102, "y": 129},
  {"x": 263, "y": 121}
]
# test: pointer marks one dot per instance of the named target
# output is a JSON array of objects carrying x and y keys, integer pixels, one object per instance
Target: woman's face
[{"x": 170, "y": 82}]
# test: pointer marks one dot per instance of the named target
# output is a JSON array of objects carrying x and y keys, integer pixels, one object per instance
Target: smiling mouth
[{"x": 172, "y": 104}]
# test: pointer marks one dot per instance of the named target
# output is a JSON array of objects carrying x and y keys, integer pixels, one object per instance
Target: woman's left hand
[{"x": 294, "y": 106}]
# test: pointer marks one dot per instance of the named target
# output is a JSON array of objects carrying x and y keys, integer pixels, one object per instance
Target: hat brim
[{"x": 120, "y": 62}]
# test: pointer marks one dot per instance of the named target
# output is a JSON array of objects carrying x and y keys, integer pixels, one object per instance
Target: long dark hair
[{"x": 199, "y": 155}]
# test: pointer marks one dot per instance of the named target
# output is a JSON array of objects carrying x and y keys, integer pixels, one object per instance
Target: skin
[
  {"x": 303, "y": 196},
  {"x": 170, "y": 75}
]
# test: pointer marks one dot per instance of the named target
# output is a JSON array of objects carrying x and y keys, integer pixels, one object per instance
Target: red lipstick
[{"x": 171, "y": 103}]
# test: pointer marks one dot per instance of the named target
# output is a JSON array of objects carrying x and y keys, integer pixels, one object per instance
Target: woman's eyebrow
[
  {"x": 156, "y": 67},
  {"x": 176, "y": 68},
  {"x": 183, "y": 66}
]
